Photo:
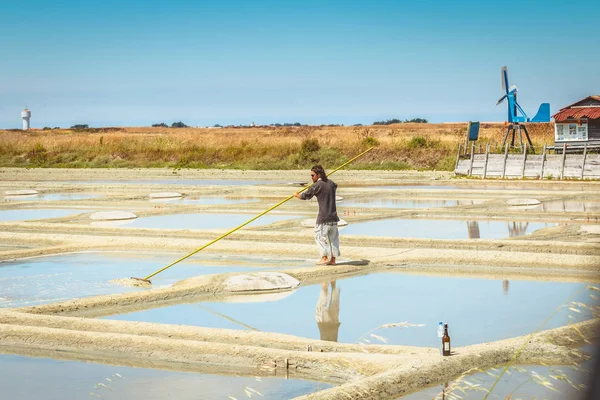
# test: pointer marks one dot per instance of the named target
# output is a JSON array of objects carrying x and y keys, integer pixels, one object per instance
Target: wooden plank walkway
[{"x": 536, "y": 166}]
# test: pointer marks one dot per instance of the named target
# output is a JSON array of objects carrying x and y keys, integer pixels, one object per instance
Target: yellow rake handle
[{"x": 252, "y": 219}]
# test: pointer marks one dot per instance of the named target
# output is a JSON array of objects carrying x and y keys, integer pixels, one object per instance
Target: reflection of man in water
[
  {"x": 327, "y": 312},
  {"x": 505, "y": 286},
  {"x": 473, "y": 230},
  {"x": 517, "y": 228}
]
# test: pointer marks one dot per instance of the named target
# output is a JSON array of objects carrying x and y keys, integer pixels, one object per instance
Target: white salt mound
[
  {"x": 164, "y": 195},
  {"x": 112, "y": 215},
  {"x": 523, "y": 202},
  {"x": 310, "y": 223},
  {"x": 256, "y": 298},
  {"x": 259, "y": 281},
  {"x": 24, "y": 192}
]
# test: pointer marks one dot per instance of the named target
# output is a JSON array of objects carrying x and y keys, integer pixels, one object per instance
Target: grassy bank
[{"x": 400, "y": 146}]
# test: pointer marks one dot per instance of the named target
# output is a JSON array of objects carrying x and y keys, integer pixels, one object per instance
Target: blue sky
[{"x": 134, "y": 63}]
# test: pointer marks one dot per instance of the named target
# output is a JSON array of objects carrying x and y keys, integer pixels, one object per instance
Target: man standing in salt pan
[{"x": 326, "y": 230}]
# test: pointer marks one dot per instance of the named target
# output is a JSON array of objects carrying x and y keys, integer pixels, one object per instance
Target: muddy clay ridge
[{"x": 69, "y": 329}]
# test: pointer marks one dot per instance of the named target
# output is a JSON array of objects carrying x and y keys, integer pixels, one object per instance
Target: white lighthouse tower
[{"x": 26, "y": 115}]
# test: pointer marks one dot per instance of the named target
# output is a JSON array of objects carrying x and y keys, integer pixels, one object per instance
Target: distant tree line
[
  {"x": 173, "y": 125},
  {"x": 397, "y": 121},
  {"x": 276, "y": 125},
  {"x": 291, "y": 124}
]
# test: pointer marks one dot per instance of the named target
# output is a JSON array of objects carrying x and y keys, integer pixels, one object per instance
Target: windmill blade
[
  {"x": 504, "y": 76},
  {"x": 502, "y": 99}
]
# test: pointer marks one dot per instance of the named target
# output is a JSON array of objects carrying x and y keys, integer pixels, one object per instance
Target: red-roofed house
[{"x": 578, "y": 123}]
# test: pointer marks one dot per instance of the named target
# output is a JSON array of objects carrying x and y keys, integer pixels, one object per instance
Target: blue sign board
[{"x": 473, "y": 130}]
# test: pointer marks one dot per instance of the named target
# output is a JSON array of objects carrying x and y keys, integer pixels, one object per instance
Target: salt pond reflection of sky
[
  {"x": 404, "y": 187},
  {"x": 53, "y": 278},
  {"x": 197, "y": 182},
  {"x": 59, "y": 380},
  {"x": 442, "y": 229},
  {"x": 519, "y": 382},
  {"x": 206, "y": 221},
  {"x": 51, "y": 197},
  {"x": 477, "y": 310},
  {"x": 30, "y": 214},
  {"x": 397, "y": 203},
  {"x": 208, "y": 200}
]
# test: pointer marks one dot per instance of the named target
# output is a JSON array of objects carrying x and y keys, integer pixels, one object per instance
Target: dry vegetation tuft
[{"x": 400, "y": 146}]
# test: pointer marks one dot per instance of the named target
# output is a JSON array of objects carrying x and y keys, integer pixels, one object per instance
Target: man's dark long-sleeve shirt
[{"x": 325, "y": 193}]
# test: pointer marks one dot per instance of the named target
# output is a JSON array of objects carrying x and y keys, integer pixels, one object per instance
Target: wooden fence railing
[{"x": 525, "y": 165}]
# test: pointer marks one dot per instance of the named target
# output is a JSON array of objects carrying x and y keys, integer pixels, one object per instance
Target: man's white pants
[{"x": 328, "y": 240}]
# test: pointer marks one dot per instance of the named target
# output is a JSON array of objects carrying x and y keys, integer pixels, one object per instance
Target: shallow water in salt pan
[
  {"x": 210, "y": 200},
  {"x": 41, "y": 378},
  {"x": 206, "y": 221},
  {"x": 55, "y": 278},
  {"x": 33, "y": 214},
  {"x": 518, "y": 382},
  {"x": 477, "y": 310},
  {"x": 51, "y": 197},
  {"x": 197, "y": 182},
  {"x": 397, "y": 203},
  {"x": 443, "y": 229}
]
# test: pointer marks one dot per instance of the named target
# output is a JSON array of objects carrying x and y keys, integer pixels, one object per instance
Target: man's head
[{"x": 317, "y": 172}]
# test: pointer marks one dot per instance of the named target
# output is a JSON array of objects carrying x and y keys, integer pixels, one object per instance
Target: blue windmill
[{"x": 516, "y": 115}]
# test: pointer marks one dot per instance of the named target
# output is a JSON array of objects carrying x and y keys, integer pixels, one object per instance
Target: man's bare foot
[
  {"x": 332, "y": 261},
  {"x": 324, "y": 261}
]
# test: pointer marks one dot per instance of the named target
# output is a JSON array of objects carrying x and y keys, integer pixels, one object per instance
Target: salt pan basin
[
  {"x": 33, "y": 214},
  {"x": 443, "y": 229},
  {"x": 399, "y": 203},
  {"x": 477, "y": 310},
  {"x": 51, "y": 197},
  {"x": 55, "y": 278},
  {"x": 59, "y": 380},
  {"x": 519, "y": 382},
  {"x": 206, "y": 221},
  {"x": 209, "y": 200}
]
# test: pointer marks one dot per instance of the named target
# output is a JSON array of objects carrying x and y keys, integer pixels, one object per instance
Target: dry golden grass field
[{"x": 399, "y": 146}]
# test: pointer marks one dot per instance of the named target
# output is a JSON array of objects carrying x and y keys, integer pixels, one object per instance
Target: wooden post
[
  {"x": 487, "y": 154},
  {"x": 524, "y": 160},
  {"x": 472, "y": 159},
  {"x": 584, "y": 157},
  {"x": 520, "y": 137},
  {"x": 480, "y": 149},
  {"x": 505, "y": 157},
  {"x": 457, "y": 157},
  {"x": 564, "y": 159},
  {"x": 543, "y": 162}
]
